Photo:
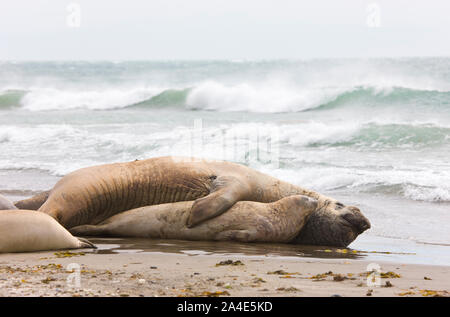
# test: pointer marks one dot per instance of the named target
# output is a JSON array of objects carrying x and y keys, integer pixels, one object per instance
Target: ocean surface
[{"x": 371, "y": 132}]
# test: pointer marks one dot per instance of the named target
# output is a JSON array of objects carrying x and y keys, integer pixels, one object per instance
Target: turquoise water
[{"x": 374, "y": 133}]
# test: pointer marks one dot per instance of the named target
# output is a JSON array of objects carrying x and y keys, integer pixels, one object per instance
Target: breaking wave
[{"x": 215, "y": 96}]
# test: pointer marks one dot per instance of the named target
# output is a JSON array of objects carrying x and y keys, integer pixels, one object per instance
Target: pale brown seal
[
  {"x": 29, "y": 230},
  {"x": 249, "y": 221},
  {"x": 246, "y": 221}
]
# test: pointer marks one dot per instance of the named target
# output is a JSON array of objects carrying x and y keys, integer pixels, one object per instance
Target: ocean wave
[
  {"x": 60, "y": 149},
  {"x": 56, "y": 99},
  {"x": 273, "y": 98},
  {"x": 268, "y": 97},
  {"x": 368, "y": 96},
  {"x": 11, "y": 98},
  {"x": 418, "y": 185},
  {"x": 373, "y": 135},
  {"x": 306, "y": 135},
  {"x": 167, "y": 98},
  {"x": 45, "y": 99}
]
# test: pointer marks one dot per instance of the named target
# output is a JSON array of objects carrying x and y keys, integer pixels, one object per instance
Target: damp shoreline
[{"x": 129, "y": 273}]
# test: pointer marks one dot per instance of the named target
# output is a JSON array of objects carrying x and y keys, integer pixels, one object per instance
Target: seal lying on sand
[
  {"x": 287, "y": 220},
  {"x": 28, "y": 230},
  {"x": 93, "y": 194},
  {"x": 246, "y": 221},
  {"x": 5, "y": 203}
]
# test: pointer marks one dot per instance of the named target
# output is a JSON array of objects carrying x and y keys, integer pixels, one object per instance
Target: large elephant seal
[
  {"x": 5, "y": 203},
  {"x": 28, "y": 230},
  {"x": 93, "y": 194},
  {"x": 246, "y": 221}
]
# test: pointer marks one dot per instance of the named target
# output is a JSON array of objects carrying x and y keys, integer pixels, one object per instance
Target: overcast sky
[{"x": 222, "y": 29}]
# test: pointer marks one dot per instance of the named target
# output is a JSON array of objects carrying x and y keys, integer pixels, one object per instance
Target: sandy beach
[{"x": 127, "y": 272}]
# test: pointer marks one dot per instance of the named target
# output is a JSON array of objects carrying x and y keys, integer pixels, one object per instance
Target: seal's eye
[{"x": 339, "y": 205}]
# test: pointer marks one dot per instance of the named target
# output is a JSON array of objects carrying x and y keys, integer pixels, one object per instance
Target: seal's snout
[{"x": 356, "y": 219}]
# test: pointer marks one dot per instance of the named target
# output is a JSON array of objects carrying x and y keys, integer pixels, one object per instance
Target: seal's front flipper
[
  {"x": 225, "y": 192},
  {"x": 237, "y": 235},
  {"x": 87, "y": 230},
  {"x": 85, "y": 243}
]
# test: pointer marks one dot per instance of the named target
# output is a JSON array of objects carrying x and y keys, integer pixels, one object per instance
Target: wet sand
[{"x": 125, "y": 267}]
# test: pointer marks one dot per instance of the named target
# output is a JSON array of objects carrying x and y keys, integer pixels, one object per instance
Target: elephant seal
[
  {"x": 28, "y": 230},
  {"x": 246, "y": 221},
  {"x": 93, "y": 194},
  {"x": 5, "y": 203}
]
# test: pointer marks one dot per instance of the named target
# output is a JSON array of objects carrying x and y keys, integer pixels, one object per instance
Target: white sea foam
[
  {"x": 112, "y": 98},
  {"x": 258, "y": 97},
  {"x": 61, "y": 149},
  {"x": 271, "y": 96},
  {"x": 422, "y": 185},
  {"x": 435, "y": 194}
]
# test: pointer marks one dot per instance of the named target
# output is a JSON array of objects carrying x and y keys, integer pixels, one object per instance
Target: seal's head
[{"x": 337, "y": 226}]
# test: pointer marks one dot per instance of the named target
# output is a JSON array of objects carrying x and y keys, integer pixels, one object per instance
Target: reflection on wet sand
[{"x": 193, "y": 248}]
